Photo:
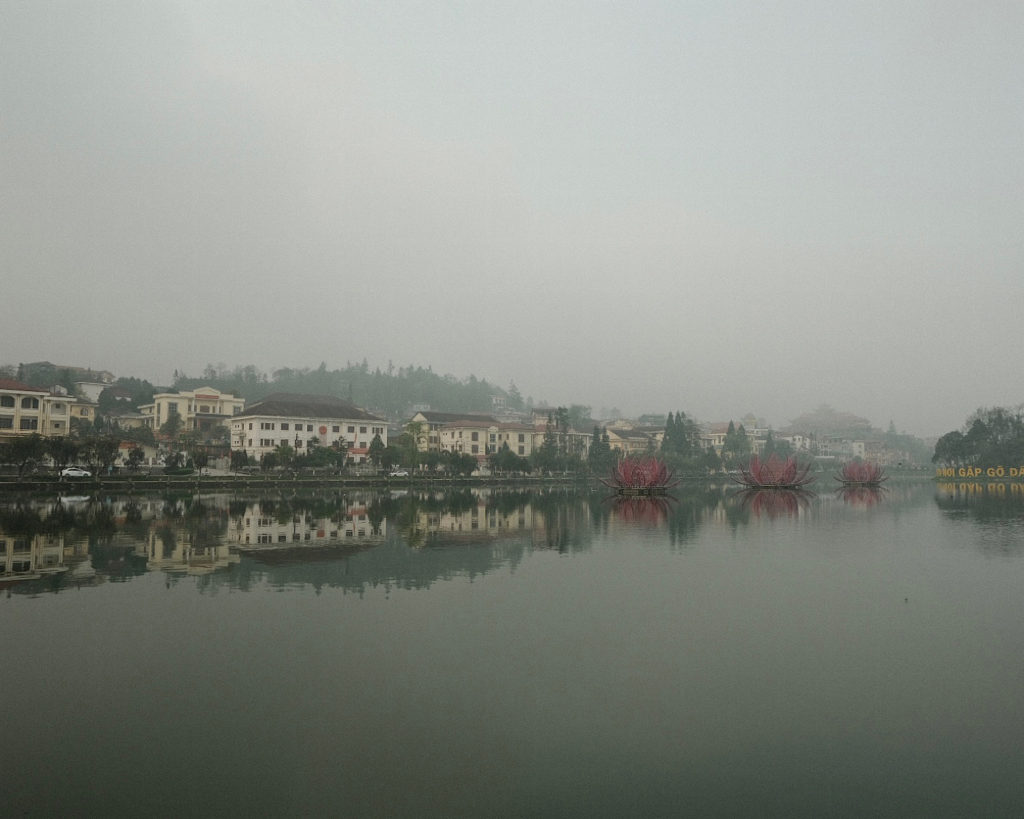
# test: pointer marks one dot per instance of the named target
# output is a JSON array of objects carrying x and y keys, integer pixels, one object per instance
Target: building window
[
  {"x": 6, "y": 422},
  {"x": 57, "y": 409},
  {"x": 335, "y": 428},
  {"x": 309, "y": 427},
  {"x": 30, "y": 403},
  {"x": 351, "y": 429},
  {"x": 521, "y": 437},
  {"x": 29, "y": 423},
  {"x": 476, "y": 436},
  {"x": 172, "y": 408},
  {"x": 6, "y": 400},
  {"x": 362, "y": 430},
  {"x": 284, "y": 426},
  {"x": 474, "y": 449}
]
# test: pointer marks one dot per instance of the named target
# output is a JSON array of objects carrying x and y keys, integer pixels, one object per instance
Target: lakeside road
[{"x": 129, "y": 484}]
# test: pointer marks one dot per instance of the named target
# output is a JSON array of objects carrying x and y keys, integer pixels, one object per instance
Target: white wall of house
[{"x": 258, "y": 435}]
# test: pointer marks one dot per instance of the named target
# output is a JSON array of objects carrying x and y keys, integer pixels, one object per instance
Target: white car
[
  {"x": 399, "y": 473},
  {"x": 75, "y": 472}
]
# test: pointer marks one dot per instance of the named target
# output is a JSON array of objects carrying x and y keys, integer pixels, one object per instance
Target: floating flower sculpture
[
  {"x": 775, "y": 473},
  {"x": 860, "y": 473},
  {"x": 640, "y": 475}
]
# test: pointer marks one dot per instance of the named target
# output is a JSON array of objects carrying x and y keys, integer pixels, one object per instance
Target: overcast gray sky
[{"x": 715, "y": 207}]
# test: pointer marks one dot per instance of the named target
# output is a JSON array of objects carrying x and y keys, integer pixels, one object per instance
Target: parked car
[
  {"x": 399, "y": 473},
  {"x": 75, "y": 472}
]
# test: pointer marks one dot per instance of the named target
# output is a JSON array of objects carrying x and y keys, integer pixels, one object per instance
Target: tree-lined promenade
[{"x": 991, "y": 439}]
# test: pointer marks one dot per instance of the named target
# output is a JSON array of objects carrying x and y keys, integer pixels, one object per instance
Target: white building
[{"x": 285, "y": 419}]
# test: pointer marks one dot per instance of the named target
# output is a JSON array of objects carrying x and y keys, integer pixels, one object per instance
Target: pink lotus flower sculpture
[
  {"x": 860, "y": 473},
  {"x": 775, "y": 473},
  {"x": 640, "y": 475}
]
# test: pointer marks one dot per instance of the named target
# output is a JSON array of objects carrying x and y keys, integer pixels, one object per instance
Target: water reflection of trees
[
  {"x": 561, "y": 520},
  {"x": 995, "y": 511},
  {"x": 690, "y": 510}
]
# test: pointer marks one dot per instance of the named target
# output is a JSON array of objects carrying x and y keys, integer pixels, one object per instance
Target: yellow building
[
  {"x": 201, "y": 409},
  {"x": 25, "y": 410}
]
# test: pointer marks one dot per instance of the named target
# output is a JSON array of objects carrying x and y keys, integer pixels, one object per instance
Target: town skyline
[{"x": 270, "y": 381}]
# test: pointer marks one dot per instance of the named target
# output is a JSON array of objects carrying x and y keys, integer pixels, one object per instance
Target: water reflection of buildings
[
  {"x": 274, "y": 525},
  {"x": 30, "y": 556},
  {"x": 466, "y": 524},
  {"x": 175, "y": 549}
]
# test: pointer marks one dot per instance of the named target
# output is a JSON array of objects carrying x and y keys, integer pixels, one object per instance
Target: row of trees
[
  {"x": 98, "y": 452},
  {"x": 990, "y": 437},
  {"x": 682, "y": 450}
]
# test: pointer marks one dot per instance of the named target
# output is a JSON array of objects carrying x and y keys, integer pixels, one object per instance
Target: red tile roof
[{"x": 17, "y": 386}]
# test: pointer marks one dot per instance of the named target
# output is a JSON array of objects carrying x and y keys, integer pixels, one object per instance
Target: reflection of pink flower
[
  {"x": 775, "y": 502},
  {"x": 640, "y": 473},
  {"x": 860, "y": 472},
  {"x": 775, "y": 473},
  {"x": 648, "y": 511},
  {"x": 861, "y": 495}
]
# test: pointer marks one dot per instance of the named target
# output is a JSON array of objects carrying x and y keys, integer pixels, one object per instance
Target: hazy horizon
[{"x": 719, "y": 209}]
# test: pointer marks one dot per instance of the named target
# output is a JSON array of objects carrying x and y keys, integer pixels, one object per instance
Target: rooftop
[
  {"x": 292, "y": 405},
  {"x": 17, "y": 386}
]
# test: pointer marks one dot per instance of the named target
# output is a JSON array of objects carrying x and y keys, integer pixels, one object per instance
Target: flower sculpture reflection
[
  {"x": 647, "y": 510},
  {"x": 775, "y": 473},
  {"x": 774, "y": 502},
  {"x": 642, "y": 475},
  {"x": 860, "y": 473},
  {"x": 861, "y": 494}
]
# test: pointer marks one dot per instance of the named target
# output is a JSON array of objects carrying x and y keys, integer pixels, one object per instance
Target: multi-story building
[
  {"x": 430, "y": 424},
  {"x": 483, "y": 437},
  {"x": 201, "y": 409},
  {"x": 630, "y": 441},
  {"x": 25, "y": 410},
  {"x": 299, "y": 421}
]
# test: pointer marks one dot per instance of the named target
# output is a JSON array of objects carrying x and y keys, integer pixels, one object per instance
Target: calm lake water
[{"x": 483, "y": 654}]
